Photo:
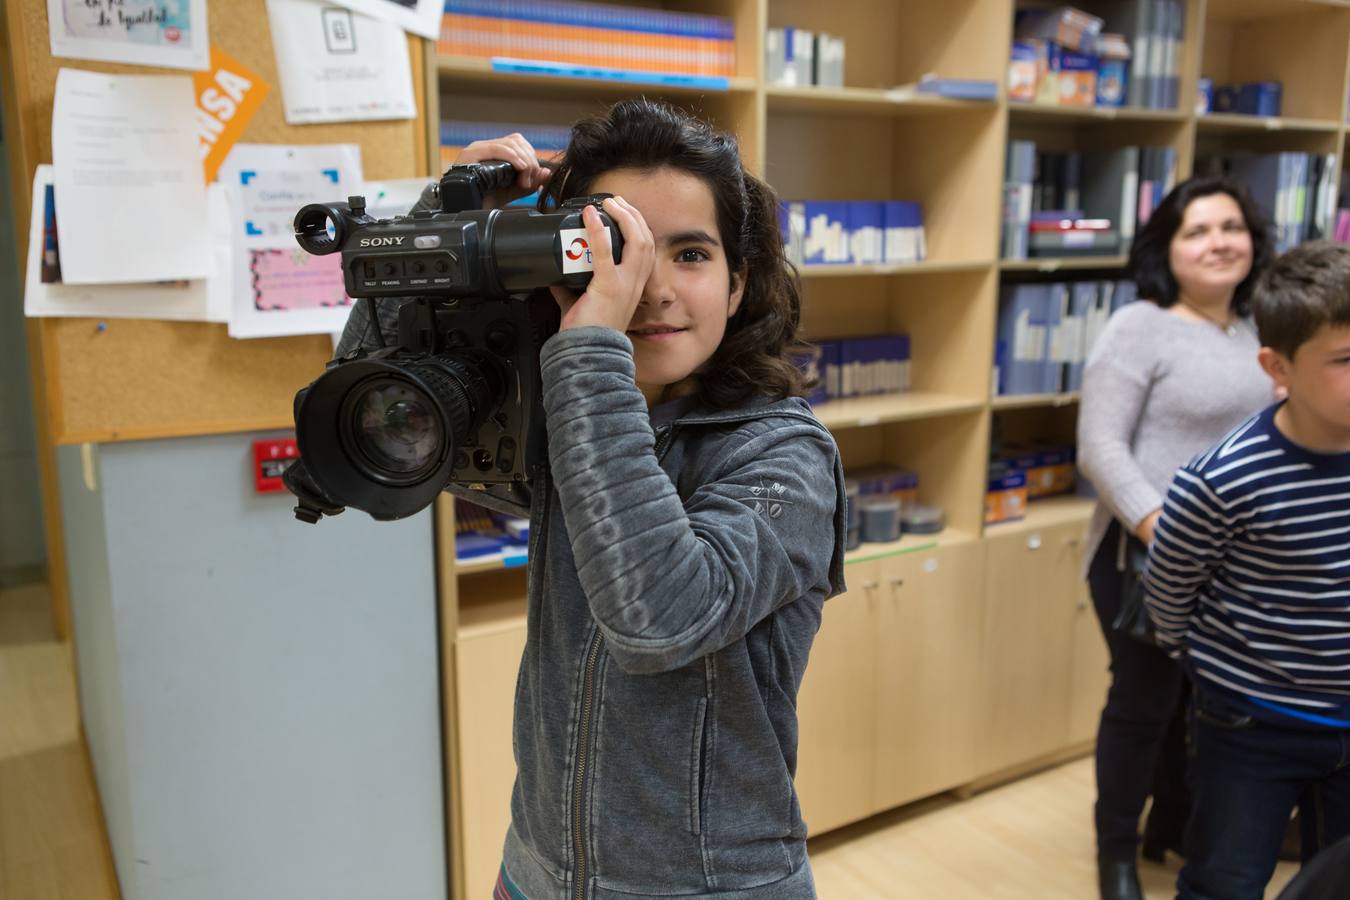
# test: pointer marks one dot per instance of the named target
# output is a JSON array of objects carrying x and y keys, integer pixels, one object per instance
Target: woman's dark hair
[
  {"x": 1150, "y": 265},
  {"x": 647, "y": 135}
]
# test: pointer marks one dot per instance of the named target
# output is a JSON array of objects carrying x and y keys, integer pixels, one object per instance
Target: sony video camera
[{"x": 458, "y": 399}]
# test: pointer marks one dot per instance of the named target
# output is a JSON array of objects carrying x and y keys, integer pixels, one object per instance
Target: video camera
[{"x": 458, "y": 399}]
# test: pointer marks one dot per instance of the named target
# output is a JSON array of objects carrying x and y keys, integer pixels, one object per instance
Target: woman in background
[{"x": 1168, "y": 377}]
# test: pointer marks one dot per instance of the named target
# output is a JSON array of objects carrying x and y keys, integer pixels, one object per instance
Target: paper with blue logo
[
  {"x": 279, "y": 289},
  {"x": 168, "y": 33}
]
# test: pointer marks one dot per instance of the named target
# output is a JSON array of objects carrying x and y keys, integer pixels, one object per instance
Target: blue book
[
  {"x": 1023, "y": 313},
  {"x": 599, "y": 15},
  {"x": 1126, "y": 293},
  {"x": 1082, "y": 302},
  {"x": 627, "y": 76},
  {"x": 826, "y": 238},
  {"x": 830, "y": 373},
  {"x": 866, "y": 233},
  {"x": 1057, "y": 342},
  {"x": 960, "y": 88}
]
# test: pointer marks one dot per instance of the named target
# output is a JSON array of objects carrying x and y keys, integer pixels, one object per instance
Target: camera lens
[
  {"x": 395, "y": 430},
  {"x": 381, "y": 434}
]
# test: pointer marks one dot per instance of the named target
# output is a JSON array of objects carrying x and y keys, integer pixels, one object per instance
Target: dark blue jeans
[{"x": 1246, "y": 776}]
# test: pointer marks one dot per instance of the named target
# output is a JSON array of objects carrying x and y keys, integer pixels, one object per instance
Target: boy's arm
[
  {"x": 1188, "y": 546},
  {"x": 669, "y": 581}
]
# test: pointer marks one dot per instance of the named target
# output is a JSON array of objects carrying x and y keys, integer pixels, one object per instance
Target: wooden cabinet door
[
  {"x": 486, "y": 667},
  {"x": 927, "y": 673},
  {"x": 1026, "y": 652},
  {"x": 836, "y": 708},
  {"x": 1090, "y": 675}
]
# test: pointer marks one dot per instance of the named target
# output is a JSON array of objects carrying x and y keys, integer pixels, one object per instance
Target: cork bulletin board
[{"x": 126, "y": 379}]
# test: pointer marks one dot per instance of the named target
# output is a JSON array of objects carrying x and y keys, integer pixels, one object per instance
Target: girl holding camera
[{"x": 689, "y": 529}]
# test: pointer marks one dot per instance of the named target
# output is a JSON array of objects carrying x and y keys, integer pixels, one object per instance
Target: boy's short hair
[{"x": 1301, "y": 291}]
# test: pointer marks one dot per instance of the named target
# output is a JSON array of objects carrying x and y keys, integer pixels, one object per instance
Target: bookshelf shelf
[
  {"x": 848, "y": 101},
  {"x": 919, "y": 268},
  {"x": 1019, "y": 112},
  {"x": 1047, "y": 513},
  {"x": 1227, "y": 11},
  {"x": 910, "y": 543},
  {"x": 496, "y": 562},
  {"x": 1031, "y": 401},
  {"x": 862, "y": 412},
  {"x": 1228, "y": 122},
  {"x": 1056, "y": 264}
]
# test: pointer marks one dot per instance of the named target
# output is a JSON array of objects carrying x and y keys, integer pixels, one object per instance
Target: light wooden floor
[{"x": 1029, "y": 839}]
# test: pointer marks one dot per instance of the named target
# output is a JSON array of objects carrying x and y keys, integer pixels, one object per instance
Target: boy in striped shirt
[{"x": 1249, "y": 579}]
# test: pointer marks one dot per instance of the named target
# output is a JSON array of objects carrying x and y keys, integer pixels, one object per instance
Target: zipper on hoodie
[
  {"x": 583, "y": 751},
  {"x": 584, "y": 732}
]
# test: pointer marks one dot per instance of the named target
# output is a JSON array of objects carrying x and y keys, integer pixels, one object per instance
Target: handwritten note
[{"x": 143, "y": 32}]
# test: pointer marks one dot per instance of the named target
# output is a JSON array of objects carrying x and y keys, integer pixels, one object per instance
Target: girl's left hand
[{"x": 615, "y": 290}]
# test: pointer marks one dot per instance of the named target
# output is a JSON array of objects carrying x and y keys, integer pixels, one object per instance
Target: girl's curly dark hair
[{"x": 646, "y": 135}]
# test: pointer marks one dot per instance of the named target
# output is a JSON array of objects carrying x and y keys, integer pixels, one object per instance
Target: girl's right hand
[
  {"x": 530, "y": 176},
  {"x": 615, "y": 290}
]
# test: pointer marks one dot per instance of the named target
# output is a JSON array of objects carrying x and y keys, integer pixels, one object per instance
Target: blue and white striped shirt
[{"x": 1249, "y": 572}]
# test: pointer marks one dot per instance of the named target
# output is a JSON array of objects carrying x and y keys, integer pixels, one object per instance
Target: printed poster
[
  {"x": 336, "y": 65},
  {"x": 168, "y": 33},
  {"x": 46, "y": 294},
  {"x": 422, "y": 17},
  {"x": 279, "y": 289}
]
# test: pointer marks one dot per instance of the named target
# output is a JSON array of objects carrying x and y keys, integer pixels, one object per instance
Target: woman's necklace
[{"x": 1229, "y": 327}]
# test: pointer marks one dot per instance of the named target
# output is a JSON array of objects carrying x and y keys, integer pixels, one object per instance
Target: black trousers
[{"x": 1141, "y": 742}]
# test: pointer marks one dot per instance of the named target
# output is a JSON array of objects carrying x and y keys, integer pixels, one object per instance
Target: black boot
[
  {"x": 1118, "y": 879},
  {"x": 1154, "y": 847}
]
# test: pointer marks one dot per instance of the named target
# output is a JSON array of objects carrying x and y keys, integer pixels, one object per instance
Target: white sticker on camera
[{"x": 576, "y": 251}]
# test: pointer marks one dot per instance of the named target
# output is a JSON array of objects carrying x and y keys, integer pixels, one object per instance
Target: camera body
[{"x": 458, "y": 399}]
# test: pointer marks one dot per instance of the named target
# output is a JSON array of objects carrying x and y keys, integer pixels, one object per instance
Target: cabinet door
[
  {"x": 486, "y": 666},
  {"x": 927, "y": 673},
  {"x": 1091, "y": 674},
  {"x": 836, "y": 708},
  {"x": 1027, "y": 646}
]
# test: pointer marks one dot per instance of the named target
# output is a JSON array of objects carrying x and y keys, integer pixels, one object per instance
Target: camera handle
[{"x": 464, "y": 187}]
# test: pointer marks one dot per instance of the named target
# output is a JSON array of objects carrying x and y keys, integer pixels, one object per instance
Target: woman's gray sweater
[{"x": 1159, "y": 389}]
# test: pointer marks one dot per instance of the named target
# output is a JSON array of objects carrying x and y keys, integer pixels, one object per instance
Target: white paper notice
[
  {"x": 141, "y": 32},
  {"x": 418, "y": 16},
  {"x": 336, "y": 65},
  {"x": 207, "y": 300},
  {"x": 279, "y": 289},
  {"x": 129, "y": 190}
]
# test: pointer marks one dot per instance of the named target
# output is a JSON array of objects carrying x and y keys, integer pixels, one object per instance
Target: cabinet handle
[
  {"x": 871, "y": 585},
  {"x": 1073, "y": 541},
  {"x": 897, "y": 582}
]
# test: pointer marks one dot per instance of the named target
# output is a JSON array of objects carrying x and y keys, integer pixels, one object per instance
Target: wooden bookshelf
[
  {"x": 1229, "y": 122},
  {"x": 1060, "y": 263},
  {"x": 1037, "y": 112},
  {"x": 1029, "y": 401},
  {"x": 870, "y": 101},
  {"x": 868, "y": 141},
  {"x": 918, "y": 268},
  {"x": 864, "y": 412}
]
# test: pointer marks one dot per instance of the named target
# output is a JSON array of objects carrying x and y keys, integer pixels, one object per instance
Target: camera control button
[{"x": 427, "y": 241}]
